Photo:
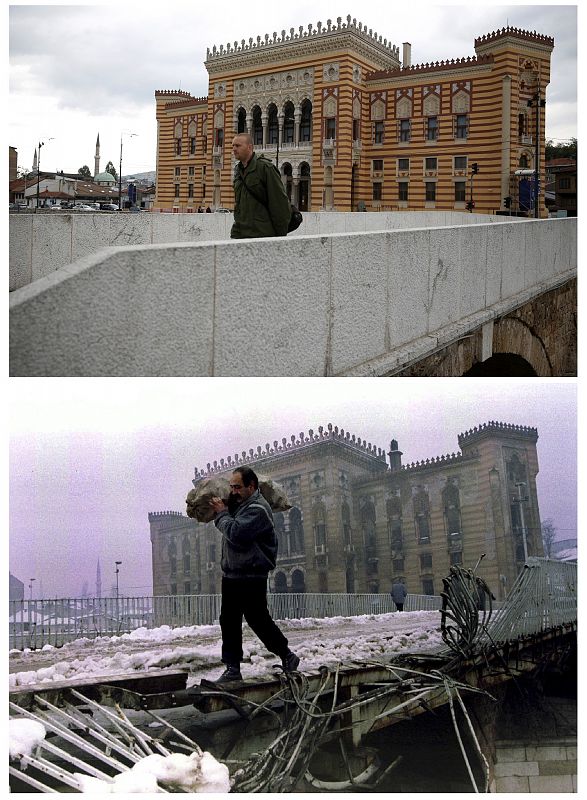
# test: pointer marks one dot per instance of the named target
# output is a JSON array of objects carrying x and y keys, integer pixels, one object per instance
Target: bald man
[{"x": 262, "y": 207}]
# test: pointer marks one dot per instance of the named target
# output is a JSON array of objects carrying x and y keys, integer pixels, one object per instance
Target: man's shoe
[
  {"x": 290, "y": 662},
  {"x": 231, "y": 673}
]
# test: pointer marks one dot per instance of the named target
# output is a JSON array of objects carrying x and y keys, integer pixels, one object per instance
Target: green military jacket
[{"x": 263, "y": 210}]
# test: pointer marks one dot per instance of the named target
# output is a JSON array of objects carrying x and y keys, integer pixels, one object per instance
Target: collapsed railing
[{"x": 543, "y": 597}]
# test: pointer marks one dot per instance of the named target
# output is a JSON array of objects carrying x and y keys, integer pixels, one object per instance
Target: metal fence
[
  {"x": 543, "y": 597},
  {"x": 34, "y": 623}
]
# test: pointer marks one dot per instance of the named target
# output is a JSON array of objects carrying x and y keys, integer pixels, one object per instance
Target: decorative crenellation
[
  {"x": 155, "y": 514},
  {"x": 524, "y": 430},
  {"x": 529, "y": 36},
  {"x": 466, "y": 61},
  {"x": 332, "y": 433},
  {"x": 311, "y": 32},
  {"x": 450, "y": 458},
  {"x": 175, "y": 92}
]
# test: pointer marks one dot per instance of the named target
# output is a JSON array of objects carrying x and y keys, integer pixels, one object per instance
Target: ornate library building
[
  {"x": 352, "y": 127},
  {"x": 361, "y": 519}
]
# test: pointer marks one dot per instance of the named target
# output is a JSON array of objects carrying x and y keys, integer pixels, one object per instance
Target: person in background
[
  {"x": 398, "y": 595},
  {"x": 249, "y": 552}
]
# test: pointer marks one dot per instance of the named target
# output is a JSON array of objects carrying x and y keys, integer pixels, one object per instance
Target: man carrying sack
[{"x": 249, "y": 552}]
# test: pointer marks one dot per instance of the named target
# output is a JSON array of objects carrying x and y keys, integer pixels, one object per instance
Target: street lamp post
[
  {"x": 537, "y": 103},
  {"x": 128, "y": 133},
  {"x": 41, "y": 144},
  {"x": 31, "y": 586},
  {"x": 117, "y": 564},
  {"x": 521, "y": 500}
]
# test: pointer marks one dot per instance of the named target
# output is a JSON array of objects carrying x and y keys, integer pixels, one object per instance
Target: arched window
[
  {"x": 523, "y": 162},
  {"x": 306, "y": 122},
  {"x": 319, "y": 514},
  {"x": 296, "y": 530},
  {"x": 185, "y": 550},
  {"x": 280, "y": 583},
  {"x": 241, "y": 122},
  {"x": 347, "y": 534},
  {"x": 272, "y": 125},
  {"x": 257, "y": 129},
  {"x": 368, "y": 525},
  {"x": 394, "y": 523},
  {"x": 298, "y": 582},
  {"x": 422, "y": 515},
  {"x": 452, "y": 508},
  {"x": 288, "y": 122}
]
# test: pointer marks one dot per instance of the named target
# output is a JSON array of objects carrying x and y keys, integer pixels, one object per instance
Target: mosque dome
[{"x": 104, "y": 177}]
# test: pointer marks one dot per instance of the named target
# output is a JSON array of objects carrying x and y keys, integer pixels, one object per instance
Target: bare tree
[{"x": 548, "y": 536}]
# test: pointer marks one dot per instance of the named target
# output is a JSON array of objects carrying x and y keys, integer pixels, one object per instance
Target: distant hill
[{"x": 141, "y": 176}]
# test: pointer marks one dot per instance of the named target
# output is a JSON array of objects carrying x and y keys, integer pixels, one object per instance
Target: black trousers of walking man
[{"x": 247, "y": 597}]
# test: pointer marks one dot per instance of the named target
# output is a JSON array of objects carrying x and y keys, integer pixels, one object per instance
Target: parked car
[
  {"x": 108, "y": 207},
  {"x": 84, "y": 207},
  {"x": 223, "y": 210}
]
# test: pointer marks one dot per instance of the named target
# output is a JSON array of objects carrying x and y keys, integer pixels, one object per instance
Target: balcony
[
  {"x": 329, "y": 152},
  {"x": 525, "y": 139}
]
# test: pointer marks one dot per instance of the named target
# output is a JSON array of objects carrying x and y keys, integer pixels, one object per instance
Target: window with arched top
[
  {"x": 306, "y": 122},
  {"x": 319, "y": 524},
  {"x": 393, "y": 508},
  {"x": 272, "y": 124},
  {"x": 298, "y": 581},
  {"x": 241, "y": 122},
  {"x": 279, "y": 583},
  {"x": 257, "y": 127},
  {"x": 368, "y": 518},
  {"x": 452, "y": 509},
  {"x": 421, "y": 505},
  {"x": 288, "y": 122},
  {"x": 347, "y": 533}
]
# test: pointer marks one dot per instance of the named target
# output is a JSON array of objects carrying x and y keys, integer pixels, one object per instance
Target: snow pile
[
  {"x": 23, "y": 736},
  {"x": 175, "y": 773},
  {"x": 197, "y": 649}
]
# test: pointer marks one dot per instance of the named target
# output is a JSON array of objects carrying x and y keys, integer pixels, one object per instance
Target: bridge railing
[
  {"x": 35, "y": 623},
  {"x": 543, "y": 597}
]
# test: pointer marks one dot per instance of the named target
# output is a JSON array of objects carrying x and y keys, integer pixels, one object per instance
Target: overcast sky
[
  {"x": 79, "y": 70},
  {"x": 90, "y": 458}
]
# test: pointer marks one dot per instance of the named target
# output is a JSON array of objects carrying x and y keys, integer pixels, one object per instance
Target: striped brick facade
[{"x": 383, "y": 135}]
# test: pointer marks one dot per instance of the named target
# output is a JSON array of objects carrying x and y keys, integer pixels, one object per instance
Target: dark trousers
[
  {"x": 247, "y": 597},
  {"x": 399, "y": 606}
]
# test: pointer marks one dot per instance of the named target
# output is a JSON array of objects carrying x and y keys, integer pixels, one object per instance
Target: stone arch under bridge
[{"x": 537, "y": 339}]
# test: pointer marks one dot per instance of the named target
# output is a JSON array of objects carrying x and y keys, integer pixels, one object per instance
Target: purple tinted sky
[{"x": 90, "y": 458}]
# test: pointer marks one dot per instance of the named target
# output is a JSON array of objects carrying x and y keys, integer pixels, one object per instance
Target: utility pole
[
  {"x": 117, "y": 564},
  {"x": 521, "y": 500},
  {"x": 474, "y": 171},
  {"x": 537, "y": 103}
]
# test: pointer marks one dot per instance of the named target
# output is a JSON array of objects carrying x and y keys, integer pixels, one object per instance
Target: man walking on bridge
[
  {"x": 261, "y": 207},
  {"x": 249, "y": 551}
]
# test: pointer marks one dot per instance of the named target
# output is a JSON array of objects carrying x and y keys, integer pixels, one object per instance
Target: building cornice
[
  {"x": 300, "y": 444},
  {"x": 502, "y": 429},
  {"x": 513, "y": 36},
  {"x": 317, "y": 41},
  {"x": 446, "y": 69}
]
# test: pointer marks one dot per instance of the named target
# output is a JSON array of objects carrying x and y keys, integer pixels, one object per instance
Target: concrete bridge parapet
[{"x": 313, "y": 305}]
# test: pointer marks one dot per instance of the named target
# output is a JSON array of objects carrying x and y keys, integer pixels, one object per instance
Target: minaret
[
  {"x": 35, "y": 161},
  {"x": 97, "y": 157},
  {"x": 98, "y": 581}
]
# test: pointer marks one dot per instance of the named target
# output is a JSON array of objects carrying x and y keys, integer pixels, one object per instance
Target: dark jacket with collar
[
  {"x": 249, "y": 542},
  {"x": 262, "y": 208}
]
